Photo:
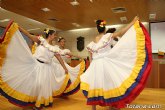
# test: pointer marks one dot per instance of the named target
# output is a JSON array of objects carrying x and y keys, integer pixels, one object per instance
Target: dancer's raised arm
[
  {"x": 125, "y": 29},
  {"x": 30, "y": 36}
]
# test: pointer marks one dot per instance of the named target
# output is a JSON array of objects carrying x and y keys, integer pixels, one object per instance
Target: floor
[{"x": 154, "y": 98}]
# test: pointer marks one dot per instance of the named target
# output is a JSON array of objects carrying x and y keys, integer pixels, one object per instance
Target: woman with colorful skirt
[
  {"x": 28, "y": 79},
  {"x": 117, "y": 75},
  {"x": 75, "y": 72}
]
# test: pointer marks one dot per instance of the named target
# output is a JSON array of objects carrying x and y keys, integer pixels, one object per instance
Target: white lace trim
[
  {"x": 65, "y": 52},
  {"x": 54, "y": 49},
  {"x": 44, "y": 43},
  {"x": 101, "y": 45}
]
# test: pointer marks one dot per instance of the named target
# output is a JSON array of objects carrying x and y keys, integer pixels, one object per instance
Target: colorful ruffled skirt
[
  {"x": 117, "y": 77},
  {"x": 24, "y": 81}
]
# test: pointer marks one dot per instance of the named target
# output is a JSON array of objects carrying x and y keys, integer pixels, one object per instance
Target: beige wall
[{"x": 89, "y": 35}]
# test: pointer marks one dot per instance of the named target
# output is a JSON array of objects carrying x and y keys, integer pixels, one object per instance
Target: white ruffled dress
[
  {"x": 117, "y": 75},
  {"x": 28, "y": 79}
]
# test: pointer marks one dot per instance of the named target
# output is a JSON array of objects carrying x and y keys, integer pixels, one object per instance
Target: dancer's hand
[
  {"x": 135, "y": 19},
  {"x": 125, "y": 29},
  {"x": 66, "y": 71},
  {"x": 69, "y": 55}
]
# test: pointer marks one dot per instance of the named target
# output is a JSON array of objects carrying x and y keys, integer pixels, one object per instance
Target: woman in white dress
[
  {"x": 61, "y": 43},
  {"x": 117, "y": 75},
  {"x": 74, "y": 72},
  {"x": 26, "y": 79}
]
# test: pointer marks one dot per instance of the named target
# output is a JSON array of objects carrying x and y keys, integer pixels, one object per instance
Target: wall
[
  {"x": 71, "y": 39},
  {"x": 89, "y": 35},
  {"x": 25, "y": 37},
  {"x": 1, "y": 31}
]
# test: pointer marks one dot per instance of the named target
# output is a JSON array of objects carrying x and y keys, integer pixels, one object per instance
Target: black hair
[
  {"x": 59, "y": 39},
  {"x": 111, "y": 30},
  {"x": 115, "y": 39},
  {"x": 48, "y": 32},
  {"x": 100, "y": 27}
]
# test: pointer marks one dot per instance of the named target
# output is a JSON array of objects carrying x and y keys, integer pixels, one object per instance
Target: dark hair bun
[
  {"x": 111, "y": 30},
  {"x": 98, "y": 22},
  {"x": 100, "y": 25},
  {"x": 48, "y": 32}
]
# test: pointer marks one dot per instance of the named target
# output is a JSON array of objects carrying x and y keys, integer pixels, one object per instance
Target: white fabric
[
  {"x": 51, "y": 48},
  {"x": 64, "y": 56},
  {"x": 110, "y": 67},
  {"x": 73, "y": 71},
  {"x": 43, "y": 54},
  {"x": 25, "y": 74},
  {"x": 114, "y": 42}
]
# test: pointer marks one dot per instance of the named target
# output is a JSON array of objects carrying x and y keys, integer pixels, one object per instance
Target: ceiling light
[
  {"x": 117, "y": 26},
  {"x": 91, "y": 1},
  {"x": 82, "y": 29},
  {"x": 53, "y": 19},
  {"x": 33, "y": 29},
  {"x": 118, "y": 10},
  {"x": 45, "y": 9},
  {"x": 152, "y": 16},
  {"x": 4, "y": 20},
  {"x": 123, "y": 19},
  {"x": 75, "y": 24},
  {"x": 74, "y": 3}
]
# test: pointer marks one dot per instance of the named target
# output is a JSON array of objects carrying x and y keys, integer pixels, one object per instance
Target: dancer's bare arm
[
  {"x": 32, "y": 37},
  {"x": 61, "y": 62},
  {"x": 125, "y": 29}
]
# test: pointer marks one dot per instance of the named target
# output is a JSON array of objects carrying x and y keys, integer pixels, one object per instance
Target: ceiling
[
  {"x": 31, "y": 25},
  {"x": 86, "y": 12}
]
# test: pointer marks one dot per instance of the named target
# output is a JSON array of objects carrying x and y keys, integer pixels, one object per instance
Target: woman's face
[
  {"x": 62, "y": 43},
  {"x": 53, "y": 36}
]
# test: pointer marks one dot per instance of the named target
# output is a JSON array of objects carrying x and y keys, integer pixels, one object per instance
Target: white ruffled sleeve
[
  {"x": 41, "y": 39},
  {"x": 107, "y": 38},
  {"x": 65, "y": 51},
  {"x": 104, "y": 41},
  {"x": 54, "y": 49},
  {"x": 90, "y": 47}
]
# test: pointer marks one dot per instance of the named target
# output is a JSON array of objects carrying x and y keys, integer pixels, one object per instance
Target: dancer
[
  {"x": 26, "y": 79},
  {"x": 61, "y": 43},
  {"x": 116, "y": 76},
  {"x": 74, "y": 72}
]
